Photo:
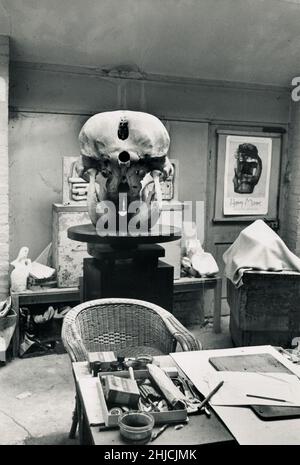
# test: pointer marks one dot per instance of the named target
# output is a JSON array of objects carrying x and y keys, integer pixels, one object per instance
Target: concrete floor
[{"x": 37, "y": 394}]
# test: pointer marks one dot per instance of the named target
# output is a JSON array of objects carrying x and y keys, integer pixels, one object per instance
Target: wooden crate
[{"x": 266, "y": 309}]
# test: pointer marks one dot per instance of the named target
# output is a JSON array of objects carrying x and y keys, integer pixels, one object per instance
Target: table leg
[
  {"x": 217, "y": 306},
  {"x": 80, "y": 420},
  {"x": 73, "y": 429},
  {"x": 16, "y": 335},
  {"x": 83, "y": 426}
]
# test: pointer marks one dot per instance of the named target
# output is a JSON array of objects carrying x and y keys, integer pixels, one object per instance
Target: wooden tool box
[{"x": 111, "y": 419}]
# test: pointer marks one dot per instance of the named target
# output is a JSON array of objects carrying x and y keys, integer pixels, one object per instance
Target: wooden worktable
[{"x": 199, "y": 430}]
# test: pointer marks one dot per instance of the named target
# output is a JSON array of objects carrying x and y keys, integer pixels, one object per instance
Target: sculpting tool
[
  {"x": 204, "y": 402},
  {"x": 194, "y": 392},
  {"x": 160, "y": 431}
]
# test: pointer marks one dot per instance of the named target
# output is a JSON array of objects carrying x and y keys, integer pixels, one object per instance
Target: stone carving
[{"x": 118, "y": 149}]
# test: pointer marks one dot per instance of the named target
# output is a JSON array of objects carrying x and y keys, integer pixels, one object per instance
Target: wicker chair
[{"x": 126, "y": 326}]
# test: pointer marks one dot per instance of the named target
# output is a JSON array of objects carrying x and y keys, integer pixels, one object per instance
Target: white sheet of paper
[
  {"x": 239, "y": 385},
  {"x": 242, "y": 422}
]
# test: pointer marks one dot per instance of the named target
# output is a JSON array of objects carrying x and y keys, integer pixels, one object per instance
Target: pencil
[
  {"x": 204, "y": 402},
  {"x": 268, "y": 398}
]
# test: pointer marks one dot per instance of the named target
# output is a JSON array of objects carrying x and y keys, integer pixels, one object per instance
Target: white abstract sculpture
[
  {"x": 195, "y": 261},
  {"x": 20, "y": 273}
]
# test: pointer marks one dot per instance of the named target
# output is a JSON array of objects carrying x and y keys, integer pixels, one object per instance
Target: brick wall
[
  {"x": 4, "y": 226},
  {"x": 291, "y": 222}
]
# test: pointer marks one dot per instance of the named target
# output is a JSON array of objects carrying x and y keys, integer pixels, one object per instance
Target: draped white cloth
[{"x": 258, "y": 247}]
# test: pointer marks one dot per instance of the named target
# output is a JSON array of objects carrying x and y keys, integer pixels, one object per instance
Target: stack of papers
[{"x": 246, "y": 388}]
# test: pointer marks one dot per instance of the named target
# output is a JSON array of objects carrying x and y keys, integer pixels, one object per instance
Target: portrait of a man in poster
[{"x": 247, "y": 175}]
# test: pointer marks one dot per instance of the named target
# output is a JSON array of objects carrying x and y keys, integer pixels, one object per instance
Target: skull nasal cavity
[
  {"x": 123, "y": 131},
  {"x": 124, "y": 157}
]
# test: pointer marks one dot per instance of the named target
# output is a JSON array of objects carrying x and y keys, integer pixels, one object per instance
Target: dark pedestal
[
  {"x": 126, "y": 267},
  {"x": 132, "y": 280}
]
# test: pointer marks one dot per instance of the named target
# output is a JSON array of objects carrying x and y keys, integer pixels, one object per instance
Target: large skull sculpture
[{"x": 118, "y": 149}]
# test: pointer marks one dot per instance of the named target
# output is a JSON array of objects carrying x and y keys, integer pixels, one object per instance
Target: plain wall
[{"x": 49, "y": 105}]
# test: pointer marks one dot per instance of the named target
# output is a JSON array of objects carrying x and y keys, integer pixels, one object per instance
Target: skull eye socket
[{"x": 124, "y": 157}]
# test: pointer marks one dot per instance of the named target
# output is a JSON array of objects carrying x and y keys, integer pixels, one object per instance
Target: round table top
[{"x": 88, "y": 233}]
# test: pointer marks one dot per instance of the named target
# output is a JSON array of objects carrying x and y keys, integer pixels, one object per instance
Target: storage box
[
  {"x": 103, "y": 358},
  {"x": 121, "y": 391},
  {"x": 111, "y": 419},
  {"x": 266, "y": 309}
]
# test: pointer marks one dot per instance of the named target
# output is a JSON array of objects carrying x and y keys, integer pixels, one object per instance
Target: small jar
[{"x": 136, "y": 427}]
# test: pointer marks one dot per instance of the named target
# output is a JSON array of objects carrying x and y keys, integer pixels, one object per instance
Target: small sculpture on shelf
[
  {"x": 24, "y": 269},
  {"x": 21, "y": 271},
  {"x": 78, "y": 187},
  {"x": 195, "y": 261}
]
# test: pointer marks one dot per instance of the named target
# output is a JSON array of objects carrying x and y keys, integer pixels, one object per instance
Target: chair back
[{"x": 126, "y": 326}]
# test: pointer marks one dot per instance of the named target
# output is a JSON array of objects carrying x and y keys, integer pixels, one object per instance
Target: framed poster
[{"x": 247, "y": 175}]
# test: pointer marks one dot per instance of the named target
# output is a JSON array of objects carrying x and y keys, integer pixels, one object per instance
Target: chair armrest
[
  {"x": 72, "y": 341},
  {"x": 185, "y": 338}
]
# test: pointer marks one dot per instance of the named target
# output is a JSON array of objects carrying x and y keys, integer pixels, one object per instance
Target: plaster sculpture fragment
[
  {"x": 21, "y": 271},
  {"x": 195, "y": 261}
]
